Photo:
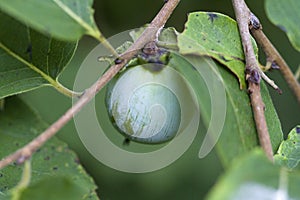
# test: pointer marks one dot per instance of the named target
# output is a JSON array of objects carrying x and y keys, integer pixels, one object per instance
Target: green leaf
[
  {"x": 285, "y": 15},
  {"x": 254, "y": 177},
  {"x": 55, "y": 188},
  {"x": 64, "y": 19},
  {"x": 288, "y": 154},
  {"x": 2, "y": 104},
  {"x": 54, "y": 161},
  {"x": 30, "y": 59},
  {"x": 215, "y": 35},
  {"x": 238, "y": 135}
]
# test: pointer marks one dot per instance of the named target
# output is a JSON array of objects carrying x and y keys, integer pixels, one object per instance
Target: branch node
[
  {"x": 253, "y": 75},
  {"x": 254, "y": 22},
  {"x": 118, "y": 61},
  {"x": 277, "y": 61},
  {"x": 22, "y": 159},
  {"x": 150, "y": 48}
]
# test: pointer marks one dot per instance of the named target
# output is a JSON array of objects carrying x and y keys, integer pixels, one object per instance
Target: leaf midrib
[
  {"x": 31, "y": 66},
  {"x": 90, "y": 30}
]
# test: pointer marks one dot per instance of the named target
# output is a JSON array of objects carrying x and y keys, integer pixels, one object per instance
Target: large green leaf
[
  {"x": 286, "y": 15},
  {"x": 29, "y": 59},
  {"x": 64, "y": 19},
  {"x": 61, "y": 188},
  {"x": 238, "y": 135},
  {"x": 288, "y": 154},
  {"x": 215, "y": 35},
  {"x": 18, "y": 125},
  {"x": 255, "y": 177}
]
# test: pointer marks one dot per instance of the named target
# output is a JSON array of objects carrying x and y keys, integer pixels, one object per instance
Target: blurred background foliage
[{"x": 189, "y": 177}]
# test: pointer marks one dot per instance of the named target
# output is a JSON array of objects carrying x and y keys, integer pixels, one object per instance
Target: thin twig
[
  {"x": 253, "y": 76},
  {"x": 274, "y": 57},
  {"x": 148, "y": 35}
]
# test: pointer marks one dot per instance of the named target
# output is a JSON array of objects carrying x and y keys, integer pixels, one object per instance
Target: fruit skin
[{"x": 143, "y": 105}]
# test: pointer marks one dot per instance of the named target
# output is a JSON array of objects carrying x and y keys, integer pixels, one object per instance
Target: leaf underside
[
  {"x": 29, "y": 59},
  {"x": 52, "y": 164},
  {"x": 63, "y": 19},
  {"x": 286, "y": 15}
]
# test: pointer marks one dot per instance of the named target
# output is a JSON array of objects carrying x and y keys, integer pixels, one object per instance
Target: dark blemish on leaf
[
  {"x": 218, "y": 41},
  {"x": 47, "y": 158},
  {"x": 282, "y": 154},
  {"x": 237, "y": 58},
  {"x": 298, "y": 129},
  {"x": 55, "y": 168},
  {"x": 1, "y": 175},
  {"x": 204, "y": 38},
  {"x": 189, "y": 47},
  {"x": 126, "y": 142},
  {"x": 212, "y": 16},
  {"x": 212, "y": 49},
  {"x": 76, "y": 160},
  {"x": 29, "y": 52},
  {"x": 294, "y": 142},
  {"x": 17, "y": 144},
  {"x": 197, "y": 15},
  {"x": 194, "y": 68},
  {"x": 223, "y": 58},
  {"x": 118, "y": 61},
  {"x": 38, "y": 150}
]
